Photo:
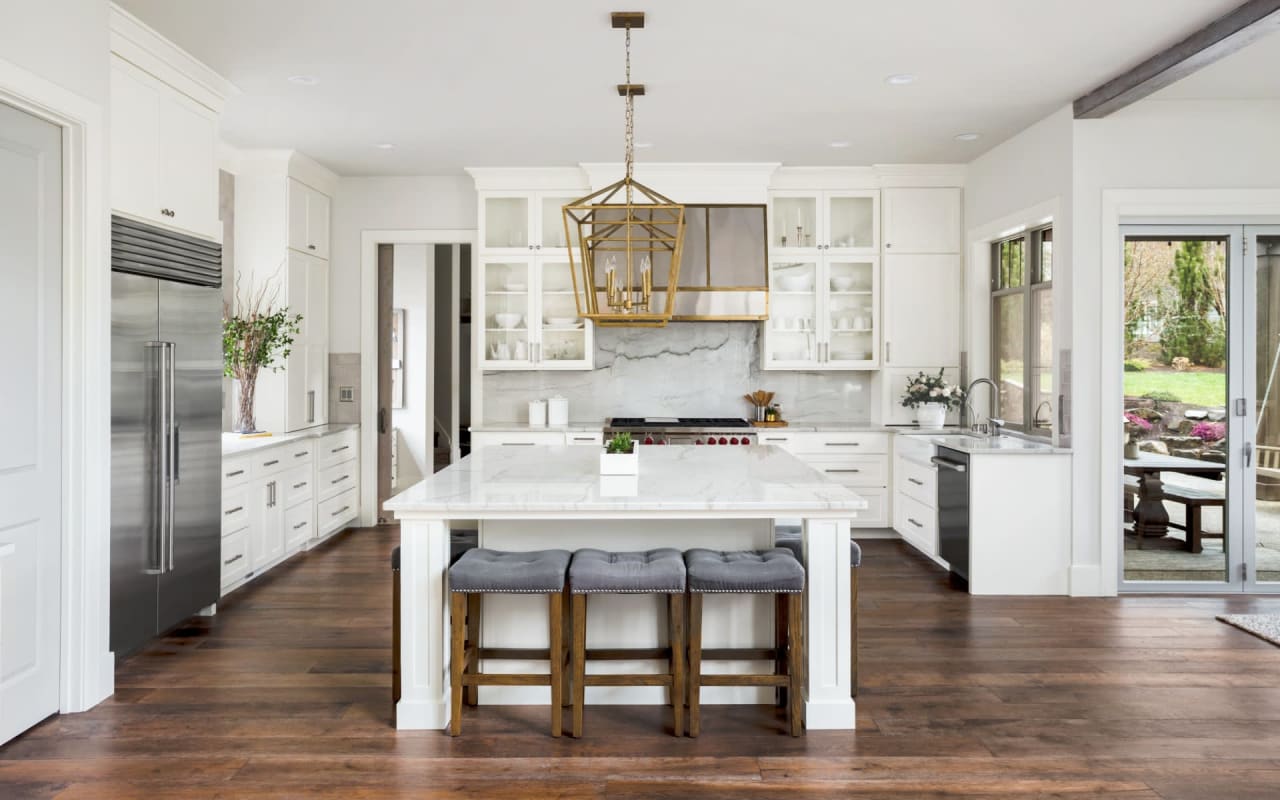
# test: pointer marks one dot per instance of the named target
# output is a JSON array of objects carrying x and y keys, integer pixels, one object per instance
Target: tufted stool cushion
[
  {"x": 461, "y": 541},
  {"x": 790, "y": 538},
  {"x": 649, "y": 572},
  {"x": 774, "y": 571},
  {"x": 483, "y": 570}
]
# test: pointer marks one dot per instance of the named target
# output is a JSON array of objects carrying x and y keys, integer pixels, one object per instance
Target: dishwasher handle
[{"x": 951, "y": 465}]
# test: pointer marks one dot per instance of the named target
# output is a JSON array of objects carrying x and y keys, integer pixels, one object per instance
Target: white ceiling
[
  {"x": 1250, "y": 74},
  {"x": 512, "y": 82}
]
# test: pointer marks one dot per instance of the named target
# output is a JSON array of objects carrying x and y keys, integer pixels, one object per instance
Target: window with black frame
[{"x": 1022, "y": 330}]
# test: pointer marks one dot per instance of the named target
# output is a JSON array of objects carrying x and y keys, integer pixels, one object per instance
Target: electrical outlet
[{"x": 346, "y": 394}]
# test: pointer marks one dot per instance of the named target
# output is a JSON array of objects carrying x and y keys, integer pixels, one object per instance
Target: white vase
[
  {"x": 931, "y": 415},
  {"x": 621, "y": 463}
]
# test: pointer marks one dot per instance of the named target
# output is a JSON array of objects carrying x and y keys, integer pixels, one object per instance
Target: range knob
[
  {"x": 697, "y": 441},
  {"x": 723, "y": 440},
  {"x": 746, "y": 440},
  {"x": 734, "y": 440},
  {"x": 648, "y": 440},
  {"x": 711, "y": 440}
]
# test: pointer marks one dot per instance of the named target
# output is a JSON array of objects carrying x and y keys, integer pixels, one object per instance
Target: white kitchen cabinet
[
  {"x": 295, "y": 397},
  {"x": 533, "y": 436},
  {"x": 530, "y": 316},
  {"x": 526, "y": 222},
  {"x": 922, "y": 302},
  {"x": 923, "y": 220},
  {"x": 836, "y": 222},
  {"x": 915, "y": 493},
  {"x": 857, "y": 459},
  {"x": 308, "y": 219},
  {"x": 163, "y": 154},
  {"x": 266, "y": 525},
  {"x": 824, "y": 314}
]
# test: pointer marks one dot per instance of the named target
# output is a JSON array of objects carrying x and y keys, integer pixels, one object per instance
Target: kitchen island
[{"x": 540, "y": 497}]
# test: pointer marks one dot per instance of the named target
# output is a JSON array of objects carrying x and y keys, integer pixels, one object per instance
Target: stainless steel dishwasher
[{"x": 953, "y": 510}]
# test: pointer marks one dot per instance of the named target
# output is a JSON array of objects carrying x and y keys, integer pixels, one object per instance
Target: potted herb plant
[
  {"x": 931, "y": 397},
  {"x": 620, "y": 456},
  {"x": 255, "y": 336}
]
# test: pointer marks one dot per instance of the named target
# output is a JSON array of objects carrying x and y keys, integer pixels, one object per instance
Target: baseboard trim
[
  {"x": 1086, "y": 580},
  {"x": 837, "y": 715}
]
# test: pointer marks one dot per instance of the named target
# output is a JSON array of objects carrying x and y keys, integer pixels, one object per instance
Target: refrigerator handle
[
  {"x": 172, "y": 437},
  {"x": 157, "y": 360}
]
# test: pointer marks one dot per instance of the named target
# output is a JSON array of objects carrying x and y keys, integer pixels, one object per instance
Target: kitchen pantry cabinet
[
  {"x": 824, "y": 313},
  {"x": 163, "y": 153},
  {"x": 296, "y": 397},
  {"x": 278, "y": 500},
  {"x": 530, "y": 316},
  {"x": 308, "y": 219}
]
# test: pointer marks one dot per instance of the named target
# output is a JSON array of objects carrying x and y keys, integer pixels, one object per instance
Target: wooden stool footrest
[
  {"x": 629, "y": 654},
  {"x": 515, "y": 654},
  {"x": 607, "y": 679},
  {"x": 743, "y": 654},
  {"x": 716, "y": 679}
]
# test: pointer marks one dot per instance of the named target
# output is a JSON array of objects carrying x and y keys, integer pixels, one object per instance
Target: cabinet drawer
[
  {"x": 299, "y": 522},
  {"x": 915, "y": 447},
  {"x": 336, "y": 479},
  {"x": 782, "y": 440},
  {"x": 876, "y": 514},
  {"x": 584, "y": 439},
  {"x": 298, "y": 486},
  {"x": 235, "y": 509},
  {"x": 916, "y": 522},
  {"x": 917, "y": 481},
  {"x": 516, "y": 439},
  {"x": 337, "y": 511},
  {"x": 270, "y": 462},
  {"x": 301, "y": 453},
  {"x": 835, "y": 444},
  {"x": 235, "y": 473},
  {"x": 854, "y": 470},
  {"x": 338, "y": 448},
  {"x": 235, "y": 557}
]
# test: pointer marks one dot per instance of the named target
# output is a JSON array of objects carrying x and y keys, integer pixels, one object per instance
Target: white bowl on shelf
[
  {"x": 562, "y": 322},
  {"x": 507, "y": 320},
  {"x": 842, "y": 283},
  {"x": 795, "y": 283}
]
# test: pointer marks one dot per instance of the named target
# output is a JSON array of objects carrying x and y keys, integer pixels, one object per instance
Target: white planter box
[{"x": 621, "y": 463}]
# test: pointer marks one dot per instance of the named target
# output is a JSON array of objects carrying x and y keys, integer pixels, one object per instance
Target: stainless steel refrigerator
[{"x": 166, "y": 419}]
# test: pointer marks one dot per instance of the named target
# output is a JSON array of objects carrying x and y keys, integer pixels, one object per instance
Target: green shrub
[
  {"x": 1199, "y": 339},
  {"x": 1162, "y": 397},
  {"x": 1136, "y": 365}
]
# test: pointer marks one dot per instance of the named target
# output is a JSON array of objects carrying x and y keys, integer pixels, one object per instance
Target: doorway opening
[
  {"x": 1201, "y": 408},
  {"x": 423, "y": 357}
]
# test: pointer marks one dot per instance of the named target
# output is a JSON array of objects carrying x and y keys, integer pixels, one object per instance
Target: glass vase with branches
[{"x": 255, "y": 336}]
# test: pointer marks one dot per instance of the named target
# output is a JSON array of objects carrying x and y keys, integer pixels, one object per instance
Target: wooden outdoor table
[{"x": 1150, "y": 518}]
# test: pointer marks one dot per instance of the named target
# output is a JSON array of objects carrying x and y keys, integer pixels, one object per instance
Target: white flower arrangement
[{"x": 924, "y": 389}]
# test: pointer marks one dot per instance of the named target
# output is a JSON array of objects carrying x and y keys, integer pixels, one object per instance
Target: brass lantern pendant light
[{"x": 626, "y": 233}]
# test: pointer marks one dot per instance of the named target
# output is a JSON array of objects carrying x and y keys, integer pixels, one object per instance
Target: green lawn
[{"x": 1198, "y": 388}]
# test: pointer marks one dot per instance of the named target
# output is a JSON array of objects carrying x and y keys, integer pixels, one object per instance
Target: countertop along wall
[{"x": 684, "y": 369}]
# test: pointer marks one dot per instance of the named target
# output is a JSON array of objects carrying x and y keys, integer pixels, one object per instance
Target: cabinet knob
[
  {"x": 887, "y": 245},
  {"x": 311, "y": 247}
]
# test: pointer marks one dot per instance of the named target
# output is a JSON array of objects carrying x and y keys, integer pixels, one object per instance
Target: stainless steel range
[{"x": 684, "y": 430}]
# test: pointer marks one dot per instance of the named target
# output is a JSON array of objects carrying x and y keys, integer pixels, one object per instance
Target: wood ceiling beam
[{"x": 1222, "y": 37}]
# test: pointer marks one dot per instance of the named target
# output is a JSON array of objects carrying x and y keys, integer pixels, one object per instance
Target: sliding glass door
[{"x": 1202, "y": 409}]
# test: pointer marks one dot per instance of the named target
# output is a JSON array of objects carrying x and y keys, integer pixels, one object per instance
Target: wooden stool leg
[
  {"x": 695, "y": 664},
  {"x": 566, "y": 655},
  {"x": 676, "y": 637},
  {"x": 555, "y": 619},
  {"x": 780, "y": 645},
  {"x": 579, "y": 660},
  {"x": 853, "y": 631},
  {"x": 457, "y": 658},
  {"x": 473, "y": 640},
  {"x": 795, "y": 662}
]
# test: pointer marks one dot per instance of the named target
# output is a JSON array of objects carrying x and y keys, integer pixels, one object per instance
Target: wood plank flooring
[{"x": 285, "y": 694}]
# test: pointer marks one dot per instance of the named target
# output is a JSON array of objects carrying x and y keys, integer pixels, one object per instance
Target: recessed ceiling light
[
  {"x": 968, "y": 137},
  {"x": 839, "y": 145},
  {"x": 385, "y": 146},
  {"x": 901, "y": 79},
  {"x": 304, "y": 80}
]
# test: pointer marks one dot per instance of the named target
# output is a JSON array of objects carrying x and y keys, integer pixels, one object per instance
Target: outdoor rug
[{"x": 1264, "y": 626}]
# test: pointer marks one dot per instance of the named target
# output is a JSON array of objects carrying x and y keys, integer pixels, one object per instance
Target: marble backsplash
[{"x": 685, "y": 369}]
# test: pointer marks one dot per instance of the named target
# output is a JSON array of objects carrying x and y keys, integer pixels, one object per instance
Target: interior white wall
[
  {"x": 1155, "y": 144},
  {"x": 413, "y": 266},
  {"x": 62, "y": 41},
  {"x": 400, "y": 203}
]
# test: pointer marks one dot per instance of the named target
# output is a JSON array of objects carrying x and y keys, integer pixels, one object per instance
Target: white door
[{"x": 30, "y": 427}]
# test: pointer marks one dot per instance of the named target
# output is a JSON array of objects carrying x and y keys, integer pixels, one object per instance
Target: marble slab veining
[
  {"x": 750, "y": 482},
  {"x": 694, "y": 369}
]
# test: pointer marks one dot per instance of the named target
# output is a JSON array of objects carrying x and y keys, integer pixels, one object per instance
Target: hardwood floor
[{"x": 286, "y": 694}]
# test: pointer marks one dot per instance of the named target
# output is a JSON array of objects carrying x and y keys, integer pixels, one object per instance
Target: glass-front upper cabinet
[
  {"x": 824, "y": 314},
  {"x": 528, "y": 222},
  {"x": 791, "y": 336},
  {"x": 564, "y": 339},
  {"x": 506, "y": 310},
  {"x": 835, "y": 221},
  {"x": 852, "y": 315}
]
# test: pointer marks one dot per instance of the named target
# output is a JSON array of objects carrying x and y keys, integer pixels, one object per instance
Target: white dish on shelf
[
  {"x": 507, "y": 319},
  {"x": 842, "y": 283},
  {"x": 562, "y": 322},
  {"x": 795, "y": 283}
]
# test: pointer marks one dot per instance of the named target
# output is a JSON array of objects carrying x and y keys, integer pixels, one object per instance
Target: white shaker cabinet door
[
  {"x": 188, "y": 165},
  {"x": 922, "y": 299},
  {"x": 135, "y": 135},
  {"x": 318, "y": 223},
  {"x": 297, "y": 202},
  {"x": 922, "y": 220}
]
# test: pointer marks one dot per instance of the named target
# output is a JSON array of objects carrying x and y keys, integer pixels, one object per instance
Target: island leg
[
  {"x": 828, "y": 702},
  {"x": 424, "y": 625}
]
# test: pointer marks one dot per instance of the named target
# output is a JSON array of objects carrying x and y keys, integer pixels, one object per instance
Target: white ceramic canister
[
  {"x": 537, "y": 413},
  {"x": 557, "y": 411}
]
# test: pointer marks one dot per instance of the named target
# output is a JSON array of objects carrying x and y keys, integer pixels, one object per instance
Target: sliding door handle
[
  {"x": 1248, "y": 454},
  {"x": 382, "y": 420}
]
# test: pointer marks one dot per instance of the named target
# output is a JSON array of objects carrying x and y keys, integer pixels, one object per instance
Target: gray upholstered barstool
[
  {"x": 774, "y": 571},
  {"x": 659, "y": 571},
  {"x": 790, "y": 538},
  {"x": 482, "y": 571}
]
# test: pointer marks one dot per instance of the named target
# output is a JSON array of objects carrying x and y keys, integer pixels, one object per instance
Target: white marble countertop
[
  {"x": 564, "y": 482},
  {"x": 821, "y": 426},
  {"x": 997, "y": 446},
  {"x": 524, "y": 427},
  {"x": 233, "y": 445}
]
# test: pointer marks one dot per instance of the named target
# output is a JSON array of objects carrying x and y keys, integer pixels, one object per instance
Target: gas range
[{"x": 684, "y": 430}]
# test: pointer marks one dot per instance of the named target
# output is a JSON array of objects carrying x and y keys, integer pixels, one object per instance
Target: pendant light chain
[{"x": 631, "y": 120}]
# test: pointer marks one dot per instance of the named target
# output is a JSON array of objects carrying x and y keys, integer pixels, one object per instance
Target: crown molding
[
  {"x": 693, "y": 182},
  {"x": 498, "y": 179},
  {"x": 139, "y": 44}
]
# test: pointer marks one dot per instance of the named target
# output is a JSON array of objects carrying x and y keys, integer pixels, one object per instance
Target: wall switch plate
[{"x": 346, "y": 394}]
